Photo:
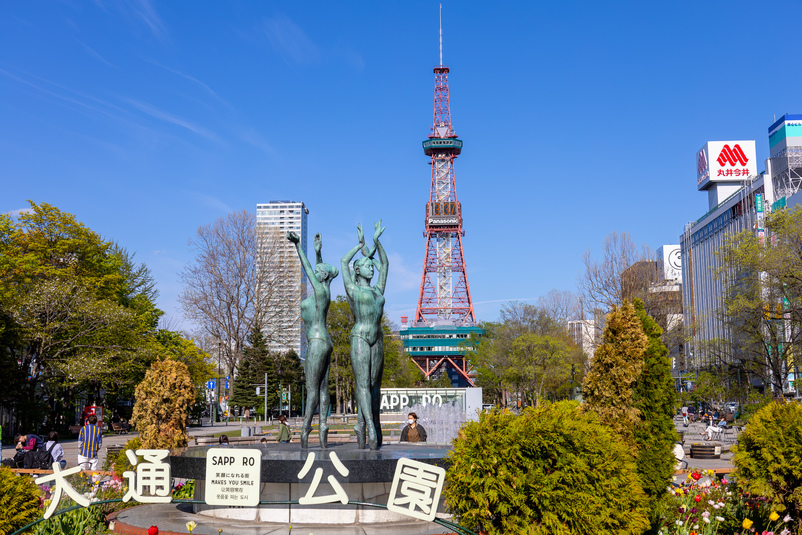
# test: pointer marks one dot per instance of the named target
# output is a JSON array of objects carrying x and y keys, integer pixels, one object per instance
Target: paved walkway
[
  {"x": 70, "y": 444},
  {"x": 173, "y": 518},
  {"x": 693, "y": 433}
]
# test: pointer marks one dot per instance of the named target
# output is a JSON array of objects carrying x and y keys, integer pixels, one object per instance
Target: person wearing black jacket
[{"x": 413, "y": 432}]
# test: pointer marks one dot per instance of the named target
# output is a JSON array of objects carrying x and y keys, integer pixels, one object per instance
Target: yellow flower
[
  {"x": 773, "y": 516},
  {"x": 747, "y": 523},
  {"x": 191, "y": 525}
]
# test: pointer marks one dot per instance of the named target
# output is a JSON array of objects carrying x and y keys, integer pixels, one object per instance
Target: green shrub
[
  {"x": 553, "y": 469},
  {"x": 19, "y": 501},
  {"x": 163, "y": 399},
  {"x": 119, "y": 462},
  {"x": 768, "y": 457}
]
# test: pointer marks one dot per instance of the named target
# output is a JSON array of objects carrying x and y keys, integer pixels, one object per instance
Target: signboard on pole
[
  {"x": 233, "y": 476},
  {"x": 725, "y": 161}
]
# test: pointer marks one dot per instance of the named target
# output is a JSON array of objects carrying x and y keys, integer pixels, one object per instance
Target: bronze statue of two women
[{"x": 367, "y": 341}]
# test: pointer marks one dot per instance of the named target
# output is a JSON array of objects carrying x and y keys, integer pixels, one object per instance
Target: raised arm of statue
[
  {"x": 310, "y": 272},
  {"x": 348, "y": 277},
  {"x": 318, "y": 249},
  {"x": 382, "y": 264}
]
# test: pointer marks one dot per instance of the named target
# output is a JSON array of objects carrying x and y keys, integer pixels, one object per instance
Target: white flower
[
  {"x": 787, "y": 518},
  {"x": 706, "y": 514},
  {"x": 720, "y": 518},
  {"x": 711, "y": 502},
  {"x": 716, "y": 506},
  {"x": 678, "y": 522},
  {"x": 707, "y": 520}
]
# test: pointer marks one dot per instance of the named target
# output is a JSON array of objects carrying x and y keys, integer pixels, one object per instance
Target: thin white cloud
[
  {"x": 64, "y": 95},
  {"x": 94, "y": 53},
  {"x": 212, "y": 202},
  {"x": 252, "y": 137},
  {"x": 18, "y": 212},
  {"x": 173, "y": 119},
  {"x": 290, "y": 41},
  {"x": 190, "y": 78},
  {"x": 143, "y": 10},
  {"x": 505, "y": 300}
]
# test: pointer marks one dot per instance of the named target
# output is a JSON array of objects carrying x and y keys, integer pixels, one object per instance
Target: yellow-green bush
[
  {"x": 553, "y": 469},
  {"x": 768, "y": 457},
  {"x": 163, "y": 400},
  {"x": 19, "y": 501},
  {"x": 119, "y": 462}
]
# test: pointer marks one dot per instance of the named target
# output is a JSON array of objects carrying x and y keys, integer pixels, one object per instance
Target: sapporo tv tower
[{"x": 444, "y": 315}]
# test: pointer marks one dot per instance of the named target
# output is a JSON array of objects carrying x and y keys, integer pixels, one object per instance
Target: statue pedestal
[{"x": 369, "y": 479}]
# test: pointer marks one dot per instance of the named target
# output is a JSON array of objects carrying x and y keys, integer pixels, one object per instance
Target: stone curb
[{"x": 127, "y": 529}]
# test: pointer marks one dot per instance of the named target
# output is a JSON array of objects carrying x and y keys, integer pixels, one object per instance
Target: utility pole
[{"x": 573, "y": 390}]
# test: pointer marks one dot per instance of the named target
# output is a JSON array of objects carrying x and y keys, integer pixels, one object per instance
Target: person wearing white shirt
[{"x": 57, "y": 453}]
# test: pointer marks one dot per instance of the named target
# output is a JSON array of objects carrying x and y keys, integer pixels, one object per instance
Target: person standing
[
  {"x": 413, "y": 432},
  {"x": 89, "y": 440},
  {"x": 283, "y": 430}
]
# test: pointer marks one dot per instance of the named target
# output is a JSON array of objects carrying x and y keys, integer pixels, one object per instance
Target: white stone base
[{"x": 333, "y": 513}]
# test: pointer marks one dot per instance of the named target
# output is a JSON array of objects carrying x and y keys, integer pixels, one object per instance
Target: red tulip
[
  {"x": 696, "y": 475},
  {"x": 153, "y": 530},
  {"x": 697, "y": 498}
]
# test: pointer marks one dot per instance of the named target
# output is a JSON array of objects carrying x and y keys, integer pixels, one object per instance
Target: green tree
[
  {"x": 163, "y": 401},
  {"x": 76, "y": 311},
  {"x": 617, "y": 364},
  {"x": 763, "y": 302},
  {"x": 654, "y": 397},
  {"x": 340, "y": 321},
  {"x": 289, "y": 372},
  {"x": 256, "y": 362},
  {"x": 528, "y": 355},
  {"x": 399, "y": 370}
]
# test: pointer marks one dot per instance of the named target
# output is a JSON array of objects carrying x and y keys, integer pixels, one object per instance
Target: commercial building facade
[
  {"x": 283, "y": 313},
  {"x": 739, "y": 199}
]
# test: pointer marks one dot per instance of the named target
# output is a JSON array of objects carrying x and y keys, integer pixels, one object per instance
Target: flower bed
[{"x": 703, "y": 505}]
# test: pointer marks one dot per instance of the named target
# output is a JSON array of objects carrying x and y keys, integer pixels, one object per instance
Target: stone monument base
[{"x": 369, "y": 479}]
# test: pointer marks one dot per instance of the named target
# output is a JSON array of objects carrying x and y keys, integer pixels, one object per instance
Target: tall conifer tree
[
  {"x": 617, "y": 364},
  {"x": 654, "y": 397}
]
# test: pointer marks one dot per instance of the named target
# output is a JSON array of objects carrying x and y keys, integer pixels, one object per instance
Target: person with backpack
[
  {"x": 89, "y": 440},
  {"x": 55, "y": 449}
]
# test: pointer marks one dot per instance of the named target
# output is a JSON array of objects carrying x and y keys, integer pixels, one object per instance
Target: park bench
[{"x": 119, "y": 428}]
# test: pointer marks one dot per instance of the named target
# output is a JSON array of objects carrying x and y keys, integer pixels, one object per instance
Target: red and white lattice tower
[{"x": 445, "y": 297}]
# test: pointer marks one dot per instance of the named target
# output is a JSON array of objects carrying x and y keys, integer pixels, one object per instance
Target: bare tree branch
[{"x": 239, "y": 278}]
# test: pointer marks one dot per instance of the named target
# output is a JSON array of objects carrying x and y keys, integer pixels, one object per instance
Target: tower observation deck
[{"x": 444, "y": 317}]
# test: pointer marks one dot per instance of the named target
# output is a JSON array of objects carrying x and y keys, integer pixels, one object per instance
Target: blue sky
[{"x": 147, "y": 119}]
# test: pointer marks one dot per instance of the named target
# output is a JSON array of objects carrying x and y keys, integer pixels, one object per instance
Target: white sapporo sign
[{"x": 233, "y": 476}]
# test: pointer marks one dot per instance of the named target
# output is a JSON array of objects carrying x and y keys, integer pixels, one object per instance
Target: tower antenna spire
[{"x": 441, "y": 34}]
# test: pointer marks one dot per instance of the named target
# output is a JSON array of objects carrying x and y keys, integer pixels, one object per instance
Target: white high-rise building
[{"x": 286, "y": 328}]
